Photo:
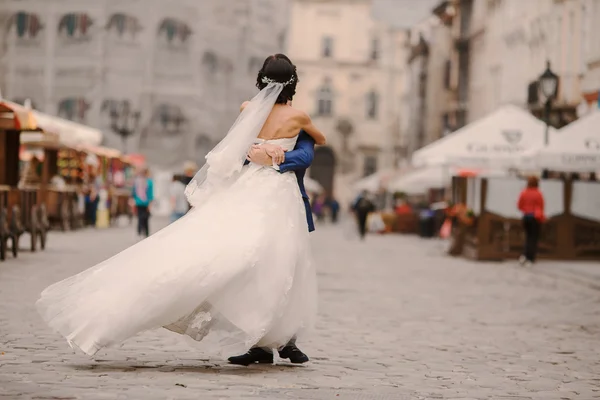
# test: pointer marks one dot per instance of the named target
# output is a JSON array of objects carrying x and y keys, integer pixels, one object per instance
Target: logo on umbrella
[
  {"x": 592, "y": 144},
  {"x": 512, "y": 136}
]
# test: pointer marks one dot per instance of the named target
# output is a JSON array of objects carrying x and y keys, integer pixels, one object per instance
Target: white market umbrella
[
  {"x": 503, "y": 139},
  {"x": 574, "y": 148},
  {"x": 373, "y": 182},
  {"x": 435, "y": 177},
  {"x": 312, "y": 186}
]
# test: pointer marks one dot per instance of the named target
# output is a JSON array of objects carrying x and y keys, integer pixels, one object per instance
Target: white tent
[
  {"x": 502, "y": 139},
  {"x": 434, "y": 177},
  {"x": 374, "y": 182},
  {"x": 574, "y": 148},
  {"x": 312, "y": 186}
]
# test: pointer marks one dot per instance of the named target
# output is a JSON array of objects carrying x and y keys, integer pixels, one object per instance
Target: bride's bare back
[{"x": 284, "y": 121}]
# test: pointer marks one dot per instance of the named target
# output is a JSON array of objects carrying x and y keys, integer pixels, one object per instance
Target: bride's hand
[{"x": 275, "y": 152}]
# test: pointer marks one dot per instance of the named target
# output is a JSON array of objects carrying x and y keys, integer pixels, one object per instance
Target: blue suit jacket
[{"x": 298, "y": 160}]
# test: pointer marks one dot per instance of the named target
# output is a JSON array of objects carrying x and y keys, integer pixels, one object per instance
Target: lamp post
[
  {"x": 548, "y": 84},
  {"x": 124, "y": 121}
]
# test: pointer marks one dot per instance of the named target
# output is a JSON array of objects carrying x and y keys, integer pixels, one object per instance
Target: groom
[{"x": 297, "y": 160}]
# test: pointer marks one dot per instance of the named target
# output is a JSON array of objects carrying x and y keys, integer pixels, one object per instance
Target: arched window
[
  {"x": 325, "y": 99},
  {"x": 372, "y": 105}
]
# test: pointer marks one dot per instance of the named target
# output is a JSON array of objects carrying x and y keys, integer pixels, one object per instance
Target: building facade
[
  {"x": 171, "y": 75},
  {"x": 428, "y": 84},
  {"x": 591, "y": 33},
  {"x": 350, "y": 66}
]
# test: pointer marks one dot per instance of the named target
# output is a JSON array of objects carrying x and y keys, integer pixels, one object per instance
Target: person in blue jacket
[{"x": 143, "y": 195}]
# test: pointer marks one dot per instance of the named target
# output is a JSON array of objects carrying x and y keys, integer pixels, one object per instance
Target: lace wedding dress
[{"x": 234, "y": 272}]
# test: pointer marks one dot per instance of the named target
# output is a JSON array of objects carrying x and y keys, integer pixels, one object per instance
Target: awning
[
  {"x": 40, "y": 140},
  {"x": 137, "y": 160},
  {"x": 16, "y": 117},
  {"x": 100, "y": 151},
  {"x": 70, "y": 133}
]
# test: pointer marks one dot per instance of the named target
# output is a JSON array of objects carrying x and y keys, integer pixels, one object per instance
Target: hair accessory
[{"x": 268, "y": 80}]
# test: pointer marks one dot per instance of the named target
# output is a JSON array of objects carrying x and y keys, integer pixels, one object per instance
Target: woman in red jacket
[{"x": 531, "y": 204}]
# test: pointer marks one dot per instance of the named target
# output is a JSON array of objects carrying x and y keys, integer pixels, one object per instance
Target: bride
[{"x": 235, "y": 272}]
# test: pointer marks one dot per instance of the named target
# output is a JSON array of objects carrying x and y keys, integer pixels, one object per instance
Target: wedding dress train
[{"x": 234, "y": 272}]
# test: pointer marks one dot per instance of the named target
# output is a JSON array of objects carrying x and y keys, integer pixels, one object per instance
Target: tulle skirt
[{"x": 233, "y": 273}]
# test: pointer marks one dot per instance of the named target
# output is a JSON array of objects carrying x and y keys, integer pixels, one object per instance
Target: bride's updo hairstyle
[{"x": 279, "y": 68}]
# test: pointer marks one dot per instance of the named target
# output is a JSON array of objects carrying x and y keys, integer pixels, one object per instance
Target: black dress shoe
[
  {"x": 253, "y": 356},
  {"x": 294, "y": 354}
]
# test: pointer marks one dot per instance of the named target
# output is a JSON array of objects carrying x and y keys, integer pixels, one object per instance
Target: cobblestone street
[{"x": 398, "y": 320}]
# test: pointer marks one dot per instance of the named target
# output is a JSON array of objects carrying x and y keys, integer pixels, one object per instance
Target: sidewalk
[{"x": 582, "y": 272}]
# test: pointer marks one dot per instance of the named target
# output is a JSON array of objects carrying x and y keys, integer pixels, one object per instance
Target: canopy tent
[
  {"x": 574, "y": 148},
  {"x": 70, "y": 133},
  {"x": 502, "y": 139},
  {"x": 434, "y": 177},
  {"x": 374, "y": 182},
  {"x": 312, "y": 186}
]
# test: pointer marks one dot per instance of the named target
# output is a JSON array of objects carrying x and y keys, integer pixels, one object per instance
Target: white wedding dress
[{"x": 234, "y": 272}]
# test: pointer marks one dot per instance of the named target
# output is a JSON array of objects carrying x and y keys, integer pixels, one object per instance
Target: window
[
  {"x": 372, "y": 105},
  {"x": 370, "y": 166},
  {"x": 327, "y": 47},
  {"x": 325, "y": 100},
  {"x": 375, "y": 49}
]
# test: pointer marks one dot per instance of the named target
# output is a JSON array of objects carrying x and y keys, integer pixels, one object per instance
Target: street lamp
[
  {"x": 124, "y": 121},
  {"x": 548, "y": 84}
]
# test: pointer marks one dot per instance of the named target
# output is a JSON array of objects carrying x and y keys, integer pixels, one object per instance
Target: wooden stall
[
  {"x": 59, "y": 187},
  {"x": 572, "y": 229},
  {"x": 18, "y": 206},
  {"x": 123, "y": 172}
]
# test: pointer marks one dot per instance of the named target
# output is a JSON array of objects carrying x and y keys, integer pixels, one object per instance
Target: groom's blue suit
[{"x": 298, "y": 160}]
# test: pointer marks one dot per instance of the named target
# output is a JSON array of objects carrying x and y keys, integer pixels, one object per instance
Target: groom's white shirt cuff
[{"x": 275, "y": 167}]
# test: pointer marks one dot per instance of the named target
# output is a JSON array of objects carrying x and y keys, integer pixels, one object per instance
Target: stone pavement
[{"x": 398, "y": 320}]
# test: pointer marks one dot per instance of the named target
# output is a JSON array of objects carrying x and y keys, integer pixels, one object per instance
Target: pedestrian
[
  {"x": 179, "y": 203},
  {"x": 143, "y": 195},
  {"x": 531, "y": 204},
  {"x": 91, "y": 206},
  {"x": 189, "y": 170},
  {"x": 334, "y": 207},
  {"x": 362, "y": 207},
  {"x": 318, "y": 207}
]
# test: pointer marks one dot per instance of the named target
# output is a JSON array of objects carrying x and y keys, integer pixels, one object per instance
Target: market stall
[
  {"x": 18, "y": 211},
  {"x": 493, "y": 229},
  {"x": 60, "y": 181}
]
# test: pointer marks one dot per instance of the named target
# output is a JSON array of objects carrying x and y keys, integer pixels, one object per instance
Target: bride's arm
[
  {"x": 244, "y": 104},
  {"x": 311, "y": 129}
]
